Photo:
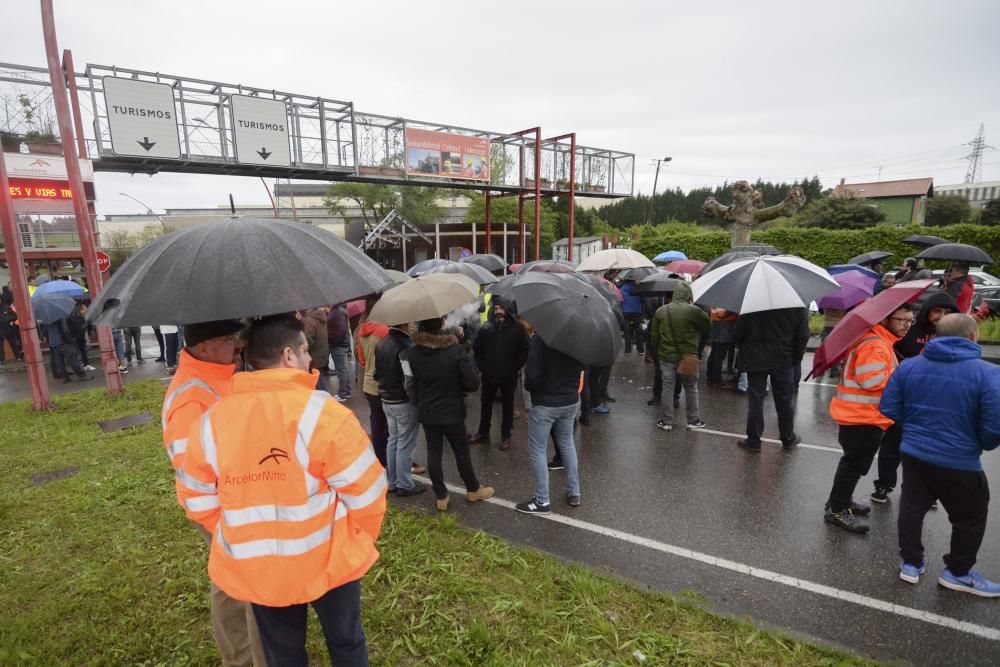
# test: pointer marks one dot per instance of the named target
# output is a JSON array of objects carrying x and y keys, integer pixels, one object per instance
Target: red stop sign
[{"x": 103, "y": 261}]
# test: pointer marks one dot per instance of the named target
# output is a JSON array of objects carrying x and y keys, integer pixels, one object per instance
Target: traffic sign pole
[{"x": 84, "y": 227}]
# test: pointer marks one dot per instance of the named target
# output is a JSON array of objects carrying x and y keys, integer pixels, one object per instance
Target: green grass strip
[{"x": 101, "y": 567}]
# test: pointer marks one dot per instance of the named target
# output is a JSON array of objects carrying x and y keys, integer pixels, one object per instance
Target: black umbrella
[
  {"x": 728, "y": 257},
  {"x": 547, "y": 266},
  {"x": 606, "y": 289},
  {"x": 569, "y": 314},
  {"x": 924, "y": 240},
  {"x": 656, "y": 285},
  {"x": 869, "y": 257},
  {"x": 240, "y": 267},
  {"x": 489, "y": 262},
  {"x": 474, "y": 271},
  {"x": 957, "y": 252},
  {"x": 637, "y": 273}
]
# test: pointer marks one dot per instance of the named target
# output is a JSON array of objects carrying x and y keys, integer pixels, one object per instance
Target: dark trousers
[
  {"x": 633, "y": 332},
  {"x": 455, "y": 433},
  {"x": 160, "y": 342},
  {"x": 63, "y": 356},
  {"x": 599, "y": 377},
  {"x": 783, "y": 387},
  {"x": 132, "y": 340},
  {"x": 379, "y": 427},
  {"x": 171, "y": 343},
  {"x": 13, "y": 336},
  {"x": 283, "y": 629},
  {"x": 716, "y": 357},
  {"x": 964, "y": 494},
  {"x": 657, "y": 374},
  {"x": 888, "y": 457},
  {"x": 860, "y": 443},
  {"x": 489, "y": 392},
  {"x": 81, "y": 347}
]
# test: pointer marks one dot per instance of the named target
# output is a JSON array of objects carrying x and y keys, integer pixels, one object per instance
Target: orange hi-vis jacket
[
  {"x": 864, "y": 376},
  {"x": 286, "y": 481},
  {"x": 197, "y": 386}
]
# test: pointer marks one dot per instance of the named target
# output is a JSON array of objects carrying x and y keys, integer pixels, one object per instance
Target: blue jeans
[
  {"x": 669, "y": 371},
  {"x": 283, "y": 629},
  {"x": 403, "y": 427},
  {"x": 119, "y": 339},
  {"x": 558, "y": 421},
  {"x": 341, "y": 353}
]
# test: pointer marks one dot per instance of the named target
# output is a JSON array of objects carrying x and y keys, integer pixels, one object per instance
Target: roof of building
[
  {"x": 578, "y": 240},
  {"x": 911, "y": 187}
]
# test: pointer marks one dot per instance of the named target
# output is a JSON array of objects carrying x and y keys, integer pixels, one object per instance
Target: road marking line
[
  {"x": 967, "y": 627},
  {"x": 821, "y": 384},
  {"x": 823, "y": 448}
]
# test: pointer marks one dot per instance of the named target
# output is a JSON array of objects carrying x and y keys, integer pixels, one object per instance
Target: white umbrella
[
  {"x": 424, "y": 298},
  {"x": 763, "y": 283},
  {"x": 615, "y": 258}
]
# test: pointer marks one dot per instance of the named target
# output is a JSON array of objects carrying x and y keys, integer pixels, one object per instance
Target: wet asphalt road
[{"x": 689, "y": 511}]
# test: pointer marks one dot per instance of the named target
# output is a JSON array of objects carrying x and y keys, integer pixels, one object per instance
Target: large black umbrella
[
  {"x": 474, "y": 271},
  {"x": 869, "y": 257},
  {"x": 607, "y": 289},
  {"x": 239, "y": 267},
  {"x": 727, "y": 258},
  {"x": 546, "y": 266},
  {"x": 569, "y": 314},
  {"x": 957, "y": 252},
  {"x": 489, "y": 262},
  {"x": 658, "y": 284},
  {"x": 924, "y": 240},
  {"x": 636, "y": 274}
]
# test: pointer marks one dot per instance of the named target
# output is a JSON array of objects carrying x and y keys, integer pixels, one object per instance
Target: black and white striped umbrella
[{"x": 763, "y": 283}]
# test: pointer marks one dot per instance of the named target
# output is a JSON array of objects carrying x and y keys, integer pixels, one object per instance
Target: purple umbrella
[{"x": 855, "y": 287}]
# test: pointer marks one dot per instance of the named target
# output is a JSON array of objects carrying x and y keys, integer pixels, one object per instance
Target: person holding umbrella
[
  {"x": 959, "y": 285},
  {"x": 942, "y": 447},
  {"x": 870, "y": 362}
]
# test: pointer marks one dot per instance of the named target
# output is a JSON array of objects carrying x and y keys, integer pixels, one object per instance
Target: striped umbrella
[{"x": 763, "y": 283}]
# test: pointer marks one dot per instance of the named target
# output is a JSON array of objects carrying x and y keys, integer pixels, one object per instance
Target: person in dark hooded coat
[{"x": 500, "y": 350}]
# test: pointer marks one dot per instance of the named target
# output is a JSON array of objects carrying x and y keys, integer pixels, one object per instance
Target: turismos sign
[{"x": 142, "y": 119}]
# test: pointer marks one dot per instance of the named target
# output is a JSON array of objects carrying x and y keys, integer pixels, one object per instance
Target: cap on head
[{"x": 202, "y": 331}]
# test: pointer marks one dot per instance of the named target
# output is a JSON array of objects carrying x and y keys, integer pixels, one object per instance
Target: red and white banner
[{"x": 444, "y": 155}]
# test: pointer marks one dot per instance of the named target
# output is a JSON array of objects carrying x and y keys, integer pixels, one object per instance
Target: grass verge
[{"x": 99, "y": 566}]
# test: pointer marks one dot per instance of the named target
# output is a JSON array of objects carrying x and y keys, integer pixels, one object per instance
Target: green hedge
[{"x": 824, "y": 247}]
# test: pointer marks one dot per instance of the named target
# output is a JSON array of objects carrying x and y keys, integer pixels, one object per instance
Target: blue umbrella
[
  {"x": 669, "y": 256},
  {"x": 67, "y": 287}
]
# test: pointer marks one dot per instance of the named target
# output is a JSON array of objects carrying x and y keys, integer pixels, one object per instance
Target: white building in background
[
  {"x": 583, "y": 247},
  {"x": 977, "y": 193}
]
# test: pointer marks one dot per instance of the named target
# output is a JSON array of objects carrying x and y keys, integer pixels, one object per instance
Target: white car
[{"x": 980, "y": 279}]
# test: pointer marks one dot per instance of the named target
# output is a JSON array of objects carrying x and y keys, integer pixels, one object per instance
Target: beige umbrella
[
  {"x": 615, "y": 258},
  {"x": 424, "y": 298}
]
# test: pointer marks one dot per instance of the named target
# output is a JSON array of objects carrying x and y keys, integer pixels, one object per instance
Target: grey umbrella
[
  {"x": 924, "y": 240},
  {"x": 489, "y": 262},
  {"x": 869, "y": 257},
  {"x": 474, "y": 271},
  {"x": 957, "y": 252},
  {"x": 239, "y": 267},
  {"x": 655, "y": 285},
  {"x": 636, "y": 274},
  {"x": 569, "y": 315},
  {"x": 420, "y": 268}
]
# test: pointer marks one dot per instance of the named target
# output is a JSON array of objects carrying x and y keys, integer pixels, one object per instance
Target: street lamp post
[
  {"x": 149, "y": 210},
  {"x": 649, "y": 210}
]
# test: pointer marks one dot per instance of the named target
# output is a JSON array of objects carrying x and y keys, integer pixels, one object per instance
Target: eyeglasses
[{"x": 906, "y": 321}]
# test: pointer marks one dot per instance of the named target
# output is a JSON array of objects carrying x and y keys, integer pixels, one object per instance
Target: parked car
[
  {"x": 980, "y": 279},
  {"x": 990, "y": 295}
]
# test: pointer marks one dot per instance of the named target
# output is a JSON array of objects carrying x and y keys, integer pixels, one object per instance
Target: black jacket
[
  {"x": 501, "y": 348},
  {"x": 772, "y": 338},
  {"x": 439, "y": 374},
  {"x": 388, "y": 367},
  {"x": 922, "y": 331},
  {"x": 552, "y": 377}
]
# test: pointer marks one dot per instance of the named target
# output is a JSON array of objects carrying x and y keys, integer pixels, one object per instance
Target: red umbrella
[
  {"x": 859, "y": 321},
  {"x": 355, "y": 308},
  {"x": 692, "y": 266},
  {"x": 512, "y": 268}
]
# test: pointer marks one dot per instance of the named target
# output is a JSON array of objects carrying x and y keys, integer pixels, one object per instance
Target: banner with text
[{"x": 445, "y": 155}]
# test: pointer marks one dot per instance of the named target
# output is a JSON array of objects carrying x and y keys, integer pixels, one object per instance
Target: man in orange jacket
[
  {"x": 866, "y": 371},
  {"x": 286, "y": 480},
  {"x": 204, "y": 375}
]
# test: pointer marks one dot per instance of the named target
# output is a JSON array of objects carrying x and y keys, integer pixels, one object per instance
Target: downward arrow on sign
[
  {"x": 146, "y": 143},
  {"x": 263, "y": 152}
]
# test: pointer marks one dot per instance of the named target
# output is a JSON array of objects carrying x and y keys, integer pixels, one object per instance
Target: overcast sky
[{"x": 729, "y": 90}]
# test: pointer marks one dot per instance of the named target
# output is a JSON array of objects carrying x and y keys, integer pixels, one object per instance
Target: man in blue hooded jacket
[{"x": 942, "y": 443}]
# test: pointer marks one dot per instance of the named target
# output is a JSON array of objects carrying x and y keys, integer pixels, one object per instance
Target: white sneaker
[{"x": 88, "y": 367}]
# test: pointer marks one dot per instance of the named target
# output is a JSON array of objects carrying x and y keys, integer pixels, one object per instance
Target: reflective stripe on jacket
[
  {"x": 286, "y": 481},
  {"x": 866, "y": 371},
  {"x": 196, "y": 387}
]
